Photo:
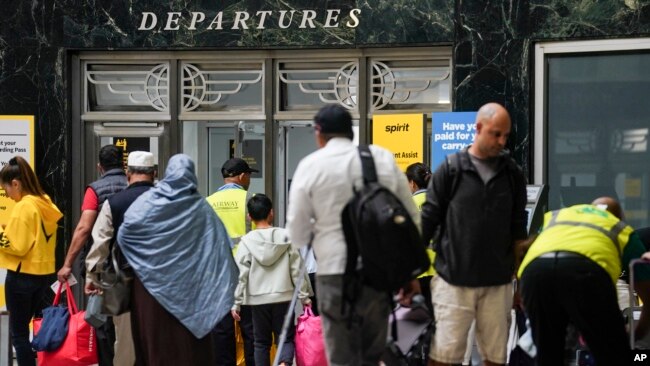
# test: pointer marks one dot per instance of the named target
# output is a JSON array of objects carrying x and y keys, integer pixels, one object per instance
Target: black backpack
[{"x": 384, "y": 247}]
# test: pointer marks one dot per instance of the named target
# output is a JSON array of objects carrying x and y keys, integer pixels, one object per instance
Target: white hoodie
[{"x": 268, "y": 269}]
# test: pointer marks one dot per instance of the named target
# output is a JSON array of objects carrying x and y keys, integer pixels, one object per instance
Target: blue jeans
[{"x": 26, "y": 296}]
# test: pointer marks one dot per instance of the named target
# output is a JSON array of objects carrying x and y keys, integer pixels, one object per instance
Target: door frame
[{"x": 281, "y": 191}]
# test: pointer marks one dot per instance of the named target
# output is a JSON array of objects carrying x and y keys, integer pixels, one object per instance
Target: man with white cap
[{"x": 140, "y": 173}]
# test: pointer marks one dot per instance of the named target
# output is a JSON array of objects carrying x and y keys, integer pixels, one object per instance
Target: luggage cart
[
  {"x": 633, "y": 309},
  {"x": 414, "y": 330}
]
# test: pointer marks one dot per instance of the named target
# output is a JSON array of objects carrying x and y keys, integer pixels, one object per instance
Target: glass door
[
  {"x": 591, "y": 128},
  {"x": 295, "y": 141},
  {"x": 130, "y": 136},
  {"x": 210, "y": 144},
  {"x": 250, "y": 147}
]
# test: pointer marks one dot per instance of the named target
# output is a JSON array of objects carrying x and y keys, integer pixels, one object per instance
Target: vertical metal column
[{"x": 6, "y": 352}]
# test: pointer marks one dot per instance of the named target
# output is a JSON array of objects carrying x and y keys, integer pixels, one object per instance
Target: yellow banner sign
[
  {"x": 16, "y": 138},
  {"x": 403, "y": 134}
]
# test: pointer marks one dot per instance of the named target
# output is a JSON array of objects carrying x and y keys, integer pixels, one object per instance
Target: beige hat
[{"x": 140, "y": 159}]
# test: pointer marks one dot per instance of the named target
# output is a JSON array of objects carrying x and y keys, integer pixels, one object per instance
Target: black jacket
[
  {"x": 119, "y": 203},
  {"x": 478, "y": 223}
]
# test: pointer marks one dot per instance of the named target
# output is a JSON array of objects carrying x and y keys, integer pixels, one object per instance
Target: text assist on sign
[{"x": 402, "y": 134}]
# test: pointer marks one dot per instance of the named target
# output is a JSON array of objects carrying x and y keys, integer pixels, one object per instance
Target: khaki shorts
[{"x": 455, "y": 308}]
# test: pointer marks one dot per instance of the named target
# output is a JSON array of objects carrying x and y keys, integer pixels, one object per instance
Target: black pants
[
  {"x": 558, "y": 291},
  {"x": 223, "y": 337},
  {"x": 314, "y": 299},
  {"x": 267, "y": 322},
  {"x": 106, "y": 343},
  {"x": 425, "y": 289},
  {"x": 26, "y": 296}
]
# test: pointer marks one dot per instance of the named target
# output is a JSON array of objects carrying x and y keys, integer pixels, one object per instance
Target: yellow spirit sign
[{"x": 403, "y": 134}]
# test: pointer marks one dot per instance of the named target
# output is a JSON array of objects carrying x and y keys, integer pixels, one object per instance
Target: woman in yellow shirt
[
  {"x": 27, "y": 243},
  {"x": 418, "y": 175}
]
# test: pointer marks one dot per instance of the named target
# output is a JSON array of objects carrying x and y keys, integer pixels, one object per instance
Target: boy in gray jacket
[{"x": 268, "y": 269}]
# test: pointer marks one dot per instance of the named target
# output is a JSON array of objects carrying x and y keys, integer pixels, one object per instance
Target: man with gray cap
[
  {"x": 229, "y": 202},
  {"x": 323, "y": 184},
  {"x": 140, "y": 174}
]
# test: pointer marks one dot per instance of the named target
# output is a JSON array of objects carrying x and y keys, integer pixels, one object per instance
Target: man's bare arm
[{"x": 79, "y": 239}]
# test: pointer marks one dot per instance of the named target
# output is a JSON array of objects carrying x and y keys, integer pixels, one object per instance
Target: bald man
[
  {"x": 477, "y": 199},
  {"x": 568, "y": 276}
]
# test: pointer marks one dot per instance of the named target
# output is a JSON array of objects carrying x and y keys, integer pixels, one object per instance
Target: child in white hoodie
[{"x": 269, "y": 268}]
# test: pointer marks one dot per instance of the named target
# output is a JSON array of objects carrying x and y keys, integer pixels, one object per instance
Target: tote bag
[
  {"x": 116, "y": 286},
  {"x": 79, "y": 347},
  {"x": 52, "y": 327},
  {"x": 310, "y": 346}
]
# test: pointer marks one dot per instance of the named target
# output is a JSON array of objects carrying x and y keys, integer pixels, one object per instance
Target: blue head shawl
[{"x": 180, "y": 250}]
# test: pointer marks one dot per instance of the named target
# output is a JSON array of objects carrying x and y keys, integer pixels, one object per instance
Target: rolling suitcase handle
[{"x": 631, "y": 294}]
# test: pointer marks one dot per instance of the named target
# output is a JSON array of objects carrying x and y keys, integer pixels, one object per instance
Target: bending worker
[{"x": 568, "y": 275}]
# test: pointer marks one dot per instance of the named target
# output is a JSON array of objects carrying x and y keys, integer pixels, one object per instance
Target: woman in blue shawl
[{"x": 185, "y": 273}]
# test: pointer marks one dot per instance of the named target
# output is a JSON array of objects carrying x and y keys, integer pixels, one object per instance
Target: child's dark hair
[
  {"x": 19, "y": 169},
  {"x": 259, "y": 207},
  {"x": 418, "y": 173}
]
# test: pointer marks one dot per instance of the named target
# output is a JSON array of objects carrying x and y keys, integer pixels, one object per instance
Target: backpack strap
[
  {"x": 453, "y": 174},
  {"x": 452, "y": 180},
  {"x": 367, "y": 164}
]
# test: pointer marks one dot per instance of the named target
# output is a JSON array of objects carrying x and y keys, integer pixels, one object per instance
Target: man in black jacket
[{"x": 477, "y": 199}]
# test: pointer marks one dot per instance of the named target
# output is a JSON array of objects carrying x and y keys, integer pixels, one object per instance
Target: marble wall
[{"x": 492, "y": 44}]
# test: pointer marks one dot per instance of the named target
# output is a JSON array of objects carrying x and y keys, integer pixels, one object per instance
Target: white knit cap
[{"x": 140, "y": 159}]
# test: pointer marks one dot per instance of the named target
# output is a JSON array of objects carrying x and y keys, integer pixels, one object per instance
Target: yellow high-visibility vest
[
  {"x": 230, "y": 206},
  {"x": 419, "y": 199},
  {"x": 586, "y": 230}
]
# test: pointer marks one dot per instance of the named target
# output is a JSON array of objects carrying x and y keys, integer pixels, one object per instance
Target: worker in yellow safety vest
[
  {"x": 418, "y": 176},
  {"x": 568, "y": 276},
  {"x": 229, "y": 202}
]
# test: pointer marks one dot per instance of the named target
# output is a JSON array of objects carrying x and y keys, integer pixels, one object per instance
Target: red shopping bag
[
  {"x": 310, "y": 345},
  {"x": 79, "y": 347}
]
